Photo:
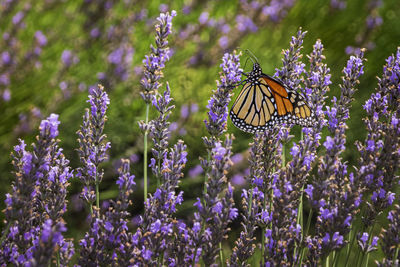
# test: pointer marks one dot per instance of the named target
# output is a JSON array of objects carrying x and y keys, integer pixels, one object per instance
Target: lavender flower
[
  {"x": 263, "y": 158},
  {"x": 41, "y": 38},
  {"x": 108, "y": 240},
  {"x": 333, "y": 193},
  {"x": 155, "y": 62},
  {"x": 391, "y": 239},
  {"x": 363, "y": 242},
  {"x": 195, "y": 171},
  {"x": 221, "y": 209},
  {"x": 37, "y": 201},
  {"x": 153, "y": 65},
  {"x": 245, "y": 23},
  {"x": 218, "y": 104},
  {"x": 160, "y": 129},
  {"x": 380, "y": 147},
  {"x": 155, "y": 233},
  {"x": 46, "y": 244},
  {"x": 292, "y": 66},
  {"x": 92, "y": 143}
]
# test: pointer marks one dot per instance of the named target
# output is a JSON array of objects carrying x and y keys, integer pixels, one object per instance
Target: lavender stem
[
  {"x": 97, "y": 193},
  {"x": 350, "y": 246},
  {"x": 305, "y": 233},
  {"x": 369, "y": 242},
  {"x": 145, "y": 155},
  {"x": 221, "y": 255}
]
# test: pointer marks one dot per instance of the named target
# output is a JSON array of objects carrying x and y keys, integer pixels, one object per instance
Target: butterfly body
[{"x": 265, "y": 101}]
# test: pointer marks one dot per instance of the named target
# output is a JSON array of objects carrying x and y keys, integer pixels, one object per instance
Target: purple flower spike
[
  {"x": 92, "y": 142},
  {"x": 155, "y": 62},
  {"x": 379, "y": 161},
  {"x": 390, "y": 237},
  {"x": 218, "y": 104},
  {"x": 218, "y": 195},
  {"x": 38, "y": 201},
  {"x": 334, "y": 195}
]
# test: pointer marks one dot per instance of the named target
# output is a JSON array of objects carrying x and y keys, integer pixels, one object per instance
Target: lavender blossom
[
  {"x": 245, "y": 23},
  {"x": 37, "y": 201},
  {"x": 364, "y": 240},
  {"x": 390, "y": 239},
  {"x": 160, "y": 129},
  {"x": 68, "y": 58},
  {"x": 154, "y": 236},
  {"x": 218, "y": 104},
  {"x": 155, "y": 62},
  {"x": 108, "y": 240},
  {"x": 333, "y": 193},
  {"x": 220, "y": 209},
  {"x": 46, "y": 244},
  {"x": 379, "y": 161},
  {"x": 263, "y": 160},
  {"x": 120, "y": 60},
  {"x": 284, "y": 235},
  {"x": 292, "y": 66},
  {"x": 92, "y": 143}
]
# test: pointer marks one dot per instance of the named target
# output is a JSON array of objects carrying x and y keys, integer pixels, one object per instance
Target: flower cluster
[
  {"x": 381, "y": 146},
  {"x": 333, "y": 193},
  {"x": 38, "y": 201},
  {"x": 218, "y": 104},
  {"x": 391, "y": 239},
  {"x": 216, "y": 209},
  {"x": 155, "y": 62},
  {"x": 108, "y": 240},
  {"x": 92, "y": 143}
]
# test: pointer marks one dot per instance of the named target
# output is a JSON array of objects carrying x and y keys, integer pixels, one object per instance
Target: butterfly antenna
[
  {"x": 248, "y": 52},
  {"x": 245, "y": 63}
]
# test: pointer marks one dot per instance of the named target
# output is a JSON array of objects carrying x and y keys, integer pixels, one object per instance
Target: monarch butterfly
[{"x": 265, "y": 101}]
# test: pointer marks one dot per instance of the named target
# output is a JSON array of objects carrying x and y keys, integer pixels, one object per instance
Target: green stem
[
  {"x": 300, "y": 210},
  {"x": 369, "y": 242},
  {"x": 145, "y": 155},
  {"x": 326, "y": 261},
  {"x": 303, "y": 250},
  {"x": 358, "y": 257},
  {"x": 350, "y": 247},
  {"x": 203, "y": 223},
  {"x": 158, "y": 177},
  {"x": 206, "y": 171},
  {"x": 335, "y": 258},
  {"x": 308, "y": 221},
  {"x": 250, "y": 200},
  {"x": 396, "y": 253},
  {"x": 300, "y": 218},
  {"x": 97, "y": 195},
  {"x": 221, "y": 254},
  {"x": 283, "y": 156},
  {"x": 58, "y": 259}
]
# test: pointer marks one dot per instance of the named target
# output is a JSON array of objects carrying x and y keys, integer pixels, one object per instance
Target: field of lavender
[{"x": 123, "y": 153}]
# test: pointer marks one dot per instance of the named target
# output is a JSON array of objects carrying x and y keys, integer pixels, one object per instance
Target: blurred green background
[{"x": 52, "y": 82}]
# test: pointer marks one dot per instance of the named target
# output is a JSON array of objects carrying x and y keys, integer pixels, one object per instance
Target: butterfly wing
[
  {"x": 266, "y": 102},
  {"x": 291, "y": 105}
]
